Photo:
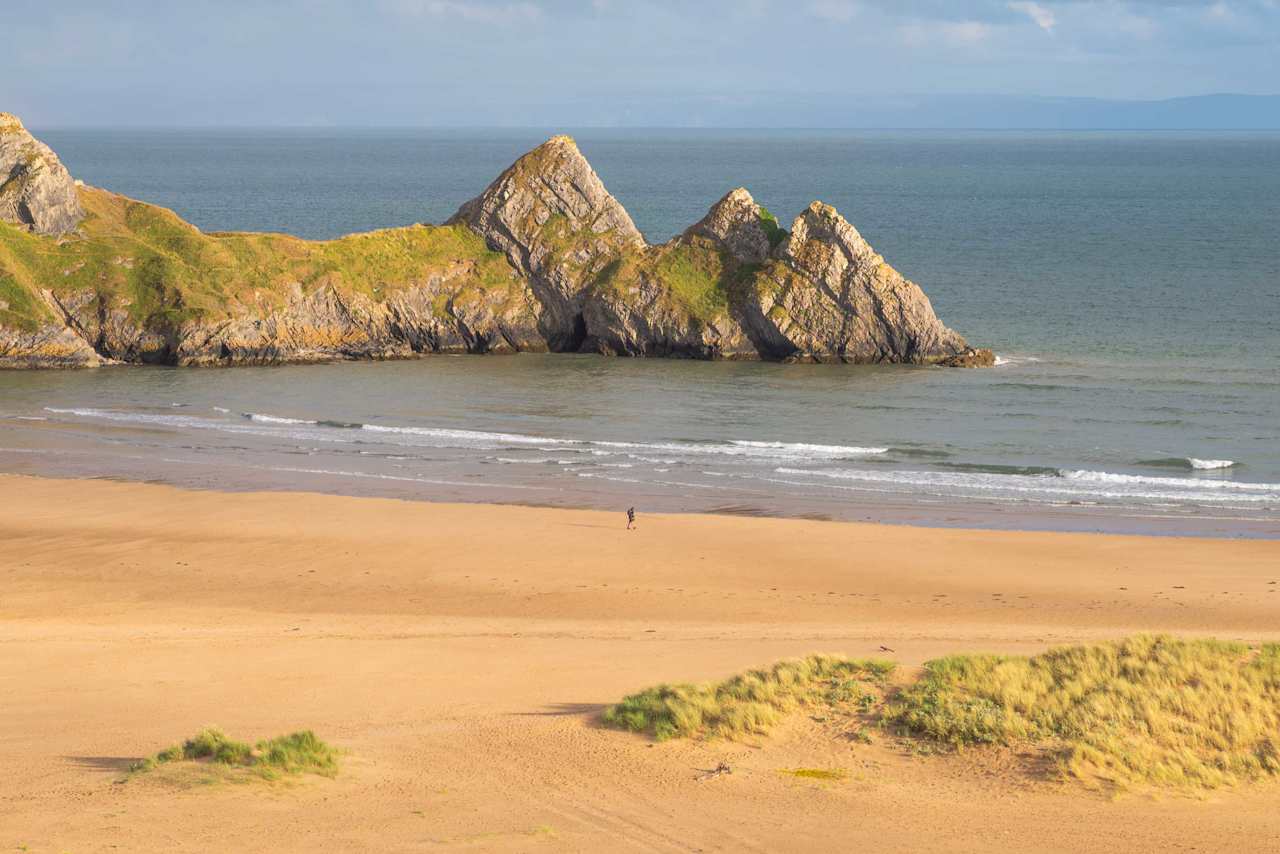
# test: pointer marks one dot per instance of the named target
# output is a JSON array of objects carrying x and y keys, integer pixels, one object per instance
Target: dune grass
[
  {"x": 297, "y": 753},
  {"x": 750, "y": 703},
  {"x": 1145, "y": 710}
]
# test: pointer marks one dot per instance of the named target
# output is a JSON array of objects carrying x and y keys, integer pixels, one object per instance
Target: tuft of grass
[
  {"x": 750, "y": 703},
  {"x": 694, "y": 276},
  {"x": 775, "y": 232},
  {"x": 296, "y": 753},
  {"x": 1146, "y": 710}
]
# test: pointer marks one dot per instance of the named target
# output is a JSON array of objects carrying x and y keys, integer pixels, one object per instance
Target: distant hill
[
  {"x": 1203, "y": 112},
  {"x": 952, "y": 112}
]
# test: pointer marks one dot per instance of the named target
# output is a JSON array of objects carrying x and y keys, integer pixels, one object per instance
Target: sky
[{"x": 606, "y": 62}]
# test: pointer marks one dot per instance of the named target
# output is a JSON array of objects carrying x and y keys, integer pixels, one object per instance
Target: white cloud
[
  {"x": 840, "y": 11},
  {"x": 951, "y": 33},
  {"x": 471, "y": 10},
  {"x": 1042, "y": 15}
]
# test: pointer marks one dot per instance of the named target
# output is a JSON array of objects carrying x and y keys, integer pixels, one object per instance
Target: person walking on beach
[{"x": 631, "y": 518}]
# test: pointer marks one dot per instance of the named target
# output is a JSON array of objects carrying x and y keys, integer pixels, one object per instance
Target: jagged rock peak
[
  {"x": 822, "y": 222},
  {"x": 36, "y": 190},
  {"x": 738, "y": 224},
  {"x": 552, "y": 179},
  {"x": 557, "y": 224},
  {"x": 840, "y": 297}
]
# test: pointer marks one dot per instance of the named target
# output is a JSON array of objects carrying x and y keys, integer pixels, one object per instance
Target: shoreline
[
  {"x": 461, "y": 655},
  {"x": 973, "y": 515}
]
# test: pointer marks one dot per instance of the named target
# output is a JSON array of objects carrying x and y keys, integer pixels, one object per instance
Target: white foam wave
[
  {"x": 250, "y": 426},
  {"x": 275, "y": 419},
  {"x": 470, "y": 437},
  {"x": 1181, "y": 482},
  {"x": 816, "y": 450},
  {"x": 221, "y": 409},
  {"x": 1209, "y": 465},
  {"x": 750, "y": 449},
  {"x": 1002, "y": 361},
  {"x": 1068, "y": 484}
]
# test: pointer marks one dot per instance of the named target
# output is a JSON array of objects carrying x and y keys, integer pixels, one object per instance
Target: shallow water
[{"x": 1129, "y": 282}]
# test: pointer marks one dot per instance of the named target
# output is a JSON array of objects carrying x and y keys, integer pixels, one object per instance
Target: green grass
[
  {"x": 772, "y": 230},
  {"x": 296, "y": 753},
  {"x": 694, "y": 275},
  {"x": 164, "y": 271},
  {"x": 1146, "y": 710},
  {"x": 19, "y": 308},
  {"x": 750, "y": 703}
]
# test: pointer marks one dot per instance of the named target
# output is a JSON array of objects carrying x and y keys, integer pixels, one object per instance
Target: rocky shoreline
[{"x": 545, "y": 259}]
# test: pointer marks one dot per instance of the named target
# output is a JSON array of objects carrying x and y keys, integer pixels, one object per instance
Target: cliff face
[
  {"x": 543, "y": 259},
  {"x": 36, "y": 191},
  {"x": 552, "y": 217}
]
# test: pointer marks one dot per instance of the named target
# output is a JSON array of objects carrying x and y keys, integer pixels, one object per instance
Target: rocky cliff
[
  {"x": 36, "y": 190},
  {"x": 544, "y": 259}
]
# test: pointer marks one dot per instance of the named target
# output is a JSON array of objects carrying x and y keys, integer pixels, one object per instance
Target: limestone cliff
[
  {"x": 543, "y": 259},
  {"x": 551, "y": 215},
  {"x": 36, "y": 190}
]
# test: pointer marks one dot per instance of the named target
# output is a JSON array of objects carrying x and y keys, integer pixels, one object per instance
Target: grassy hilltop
[{"x": 166, "y": 272}]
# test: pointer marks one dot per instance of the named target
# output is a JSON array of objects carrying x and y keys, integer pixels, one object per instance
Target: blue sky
[{"x": 605, "y": 62}]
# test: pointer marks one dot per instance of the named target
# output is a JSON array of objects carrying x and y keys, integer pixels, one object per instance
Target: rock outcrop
[
  {"x": 36, "y": 190},
  {"x": 558, "y": 225},
  {"x": 827, "y": 294},
  {"x": 544, "y": 259}
]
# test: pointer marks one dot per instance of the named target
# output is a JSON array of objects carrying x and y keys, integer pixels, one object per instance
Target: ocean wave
[
  {"x": 662, "y": 452},
  {"x": 1183, "y": 482},
  {"x": 1208, "y": 465},
  {"x": 995, "y": 468},
  {"x": 468, "y": 436},
  {"x": 1188, "y": 463},
  {"x": 249, "y": 426},
  {"x": 1066, "y": 483},
  {"x": 804, "y": 447},
  {"x": 275, "y": 419},
  {"x": 926, "y": 453}
]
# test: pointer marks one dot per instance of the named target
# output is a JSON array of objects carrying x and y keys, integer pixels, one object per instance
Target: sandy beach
[{"x": 461, "y": 654}]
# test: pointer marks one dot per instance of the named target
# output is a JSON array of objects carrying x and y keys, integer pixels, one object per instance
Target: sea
[{"x": 1129, "y": 283}]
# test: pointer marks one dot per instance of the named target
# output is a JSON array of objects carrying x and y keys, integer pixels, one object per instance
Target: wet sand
[{"x": 461, "y": 655}]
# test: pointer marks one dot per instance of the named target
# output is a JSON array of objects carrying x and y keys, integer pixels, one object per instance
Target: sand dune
[{"x": 461, "y": 654}]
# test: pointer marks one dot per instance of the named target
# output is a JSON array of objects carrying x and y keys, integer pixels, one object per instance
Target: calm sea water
[{"x": 1130, "y": 283}]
